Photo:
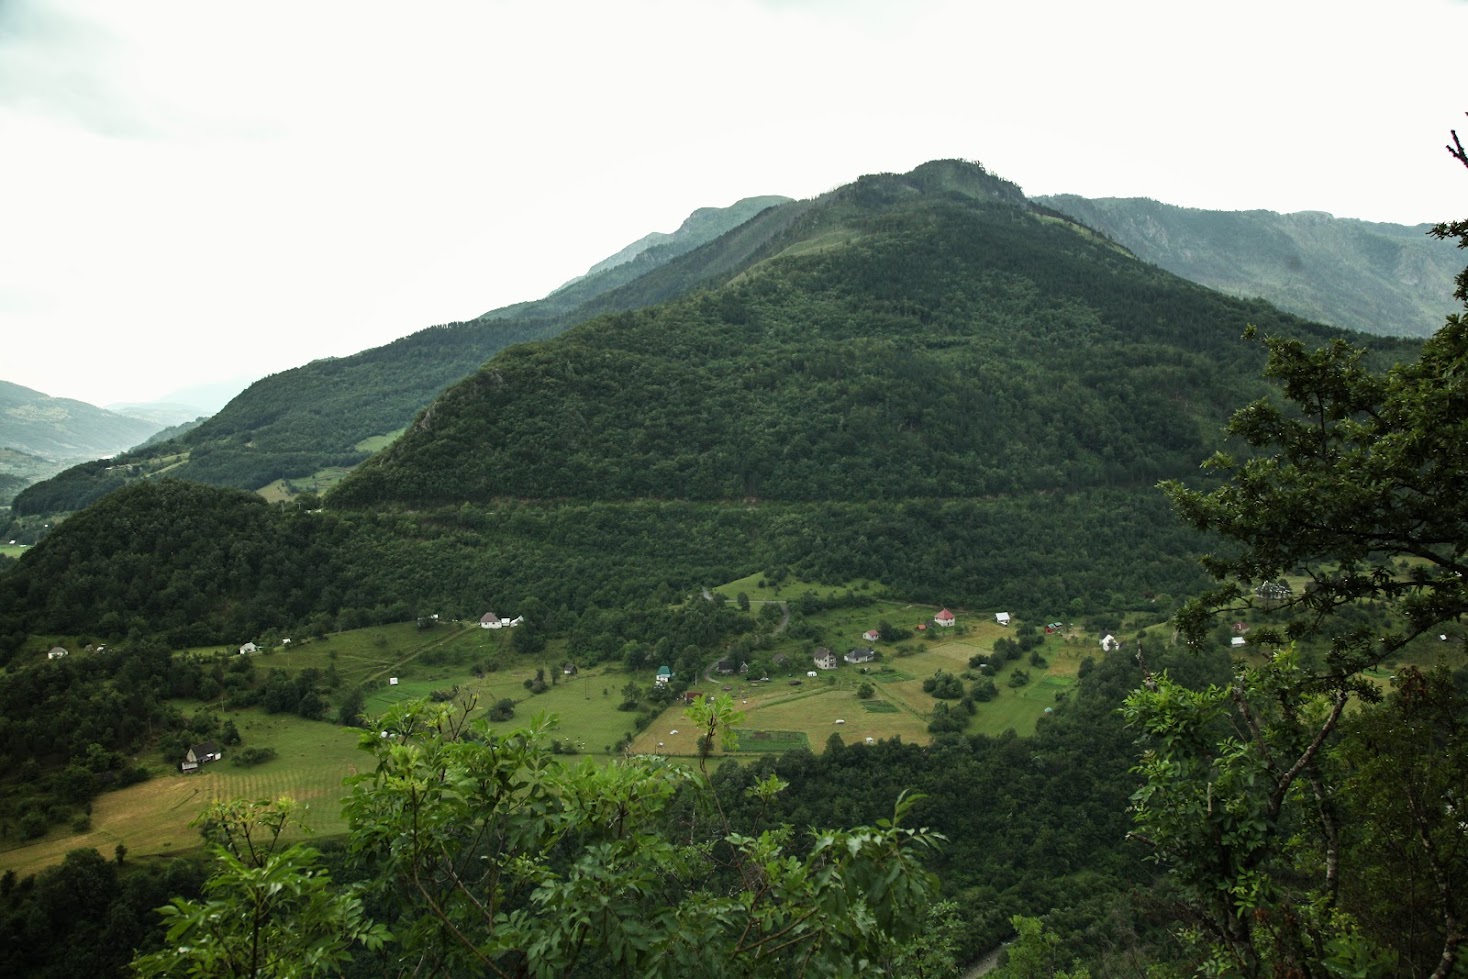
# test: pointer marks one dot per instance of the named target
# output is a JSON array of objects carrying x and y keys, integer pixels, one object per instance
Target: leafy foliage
[
  {"x": 1360, "y": 487},
  {"x": 268, "y": 909},
  {"x": 504, "y": 862}
]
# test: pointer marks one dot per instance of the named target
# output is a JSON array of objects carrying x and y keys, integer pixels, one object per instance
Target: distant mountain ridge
[
  {"x": 699, "y": 227},
  {"x": 326, "y": 413},
  {"x": 41, "y": 435},
  {"x": 1387, "y": 279}
]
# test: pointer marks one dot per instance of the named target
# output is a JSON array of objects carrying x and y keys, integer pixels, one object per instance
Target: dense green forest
[{"x": 945, "y": 347}]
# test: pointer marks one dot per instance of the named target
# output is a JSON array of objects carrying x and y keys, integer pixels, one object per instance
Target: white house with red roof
[{"x": 944, "y": 617}]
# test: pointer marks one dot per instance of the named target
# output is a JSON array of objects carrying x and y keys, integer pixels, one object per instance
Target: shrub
[{"x": 248, "y": 757}]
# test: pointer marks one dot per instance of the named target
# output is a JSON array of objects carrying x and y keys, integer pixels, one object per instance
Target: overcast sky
[{"x": 195, "y": 190}]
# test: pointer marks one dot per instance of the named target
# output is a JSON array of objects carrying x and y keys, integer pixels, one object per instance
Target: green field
[
  {"x": 759, "y": 741},
  {"x": 900, "y": 707},
  {"x": 478, "y": 666},
  {"x": 312, "y": 758}
]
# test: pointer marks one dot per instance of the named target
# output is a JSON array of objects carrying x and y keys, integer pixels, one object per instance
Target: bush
[
  {"x": 32, "y": 825},
  {"x": 944, "y": 686},
  {"x": 247, "y": 757}
]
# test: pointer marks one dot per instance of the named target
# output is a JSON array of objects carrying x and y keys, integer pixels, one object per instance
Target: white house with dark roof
[{"x": 200, "y": 754}]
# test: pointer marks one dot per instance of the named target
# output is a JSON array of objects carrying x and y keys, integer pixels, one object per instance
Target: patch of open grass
[
  {"x": 891, "y": 676},
  {"x": 879, "y": 707},
  {"x": 766, "y": 741}
]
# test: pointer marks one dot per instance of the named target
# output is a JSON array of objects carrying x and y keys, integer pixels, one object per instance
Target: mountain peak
[{"x": 937, "y": 178}]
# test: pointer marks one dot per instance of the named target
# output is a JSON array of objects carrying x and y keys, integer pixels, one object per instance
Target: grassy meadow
[
  {"x": 479, "y": 666},
  {"x": 899, "y": 707}
]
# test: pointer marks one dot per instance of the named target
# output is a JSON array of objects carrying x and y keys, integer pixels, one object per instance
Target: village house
[
  {"x": 664, "y": 675},
  {"x": 56, "y": 652},
  {"x": 859, "y": 655},
  {"x": 1002, "y": 618},
  {"x": 944, "y": 618},
  {"x": 200, "y": 754},
  {"x": 490, "y": 621},
  {"x": 1110, "y": 642},
  {"x": 825, "y": 659},
  {"x": 249, "y": 647},
  {"x": 871, "y": 635}
]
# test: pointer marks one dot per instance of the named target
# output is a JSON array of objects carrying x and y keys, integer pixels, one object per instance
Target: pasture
[
  {"x": 899, "y": 706},
  {"x": 153, "y": 817},
  {"x": 476, "y": 665}
]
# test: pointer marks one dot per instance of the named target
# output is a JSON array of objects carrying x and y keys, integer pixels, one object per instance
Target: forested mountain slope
[
  {"x": 299, "y": 421},
  {"x": 909, "y": 340},
  {"x": 1387, "y": 279},
  {"x": 919, "y": 379}
]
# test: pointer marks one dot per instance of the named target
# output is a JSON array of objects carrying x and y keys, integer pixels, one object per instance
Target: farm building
[
  {"x": 199, "y": 755},
  {"x": 944, "y": 618}
]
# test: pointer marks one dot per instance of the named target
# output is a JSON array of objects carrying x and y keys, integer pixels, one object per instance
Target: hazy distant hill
[
  {"x": 162, "y": 413},
  {"x": 1388, "y": 279},
  {"x": 299, "y": 421},
  {"x": 60, "y": 428},
  {"x": 20, "y": 469},
  {"x": 656, "y": 249}
]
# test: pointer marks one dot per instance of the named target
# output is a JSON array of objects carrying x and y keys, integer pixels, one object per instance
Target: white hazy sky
[{"x": 194, "y": 190}]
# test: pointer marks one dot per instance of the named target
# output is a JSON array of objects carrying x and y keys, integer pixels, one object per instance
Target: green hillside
[
  {"x": 1386, "y": 279},
  {"x": 298, "y": 422},
  {"x": 905, "y": 342},
  {"x": 61, "y": 429},
  {"x": 917, "y": 379}
]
